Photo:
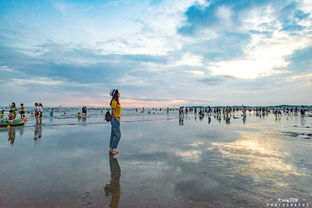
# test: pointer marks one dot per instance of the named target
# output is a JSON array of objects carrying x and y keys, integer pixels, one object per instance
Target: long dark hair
[{"x": 115, "y": 97}]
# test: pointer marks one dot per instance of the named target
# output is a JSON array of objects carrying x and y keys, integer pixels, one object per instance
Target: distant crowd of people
[
  {"x": 13, "y": 111},
  {"x": 229, "y": 110}
]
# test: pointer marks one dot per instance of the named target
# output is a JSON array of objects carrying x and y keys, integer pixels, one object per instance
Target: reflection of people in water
[
  {"x": 38, "y": 132},
  {"x": 84, "y": 121},
  {"x": 181, "y": 121},
  {"x": 113, "y": 188},
  {"x": 277, "y": 117},
  {"x": 11, "y": 134},
  {"x": 21, "y": 130},
  {"x": 227, "y": 119},
  {"x": 244, "y": 118},
  {"x": 201, "y": 115}
]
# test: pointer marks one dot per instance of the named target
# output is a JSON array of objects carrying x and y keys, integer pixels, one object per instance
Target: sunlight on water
[
  {"x": 189, "y": 156},
  {"x": 261, "y": 158}
]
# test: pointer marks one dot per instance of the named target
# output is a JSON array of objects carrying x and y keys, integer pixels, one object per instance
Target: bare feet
[{"x": 113, "y": 152}]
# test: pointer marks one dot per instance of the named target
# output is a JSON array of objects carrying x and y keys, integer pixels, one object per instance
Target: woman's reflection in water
[
  {"x": 11, "y": 134},
  {"x": 38, "y": 132},
  {"x": 113, "y": 188}
]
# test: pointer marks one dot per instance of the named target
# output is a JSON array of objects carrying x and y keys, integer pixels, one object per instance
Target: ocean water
[{"x": 163, "y": 161}]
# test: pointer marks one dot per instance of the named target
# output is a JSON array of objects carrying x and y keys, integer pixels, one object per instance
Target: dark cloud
[
  {"x": 79, "y": 64},
  {"x": 301, "y": 60},
  {"x": 228, "y": 45},
  {"x": 198, "y": 18},
  {"x": 290, "y": 15},
  {"x": 216, "y": 80}
]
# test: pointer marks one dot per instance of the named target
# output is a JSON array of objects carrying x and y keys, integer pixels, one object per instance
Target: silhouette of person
[{"x": 113, "y": 188}]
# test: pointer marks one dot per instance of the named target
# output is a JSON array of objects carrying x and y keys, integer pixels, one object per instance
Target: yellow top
[
  {"x": 23, "y": 108},
  {"x": 117, "y": 108}
]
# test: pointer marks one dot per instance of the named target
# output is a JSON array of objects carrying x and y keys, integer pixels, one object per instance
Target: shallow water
[{"x": 163, "y": 162}]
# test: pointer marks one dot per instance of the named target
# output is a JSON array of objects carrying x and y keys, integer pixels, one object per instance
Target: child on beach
[
  {"x": 11, "y": 116},
  {"x": 22, "y": 112}
]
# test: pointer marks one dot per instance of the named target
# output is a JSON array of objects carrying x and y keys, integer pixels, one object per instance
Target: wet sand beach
[{"x": 162, "y": 162}]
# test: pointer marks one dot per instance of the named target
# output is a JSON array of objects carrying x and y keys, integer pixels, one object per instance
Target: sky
[{"x": 156, "y": 52}]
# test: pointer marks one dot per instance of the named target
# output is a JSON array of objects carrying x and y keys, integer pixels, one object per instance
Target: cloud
[
  {"x": 304, "y": 79},
  {"x": 263, "y": 57},
  {"x": 301, "y": 60},
  {"x": 69, "y": 8},
  {"x": 38, "y": 81},
  {"x": 192, "y": 156},
  {"x": 263, "y": 53},
  {"x": 216, "y": 80},
  {"x": 191, "y": 52},
  {"x": 5, "y": 69},
  {"x": 190, "y": 60}
]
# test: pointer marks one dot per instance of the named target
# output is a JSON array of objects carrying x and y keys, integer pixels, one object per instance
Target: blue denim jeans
[{"x": 115, "y": 133}]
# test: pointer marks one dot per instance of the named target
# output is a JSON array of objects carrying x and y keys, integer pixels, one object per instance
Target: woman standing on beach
[
  {"x": 115, "y": 122},
  {"x": 40, "y": 107},
  {"x": 36, "y": 112}
]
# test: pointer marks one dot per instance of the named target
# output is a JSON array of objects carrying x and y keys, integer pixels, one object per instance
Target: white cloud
[
  {"x": 132, "y": 80},
  {"x": 60, "y": 82},
  {"x": 306, "y": 6},
  {"x": 224, "y": 12},
  {"x": 259, "y": 19},
  {"x": 301, "y": 77},
  {"x": 263, "y": 56},
  {"x": 196, "y": 73},
  {"x": 157, "y": 35},
  {"x": 38, "y": 81},
  {"x": 189, "y": 60},
  {"x": 6, "y": 69},
  {"x": 71, "y": 8},
  {"x": 189, "y": 156}
]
